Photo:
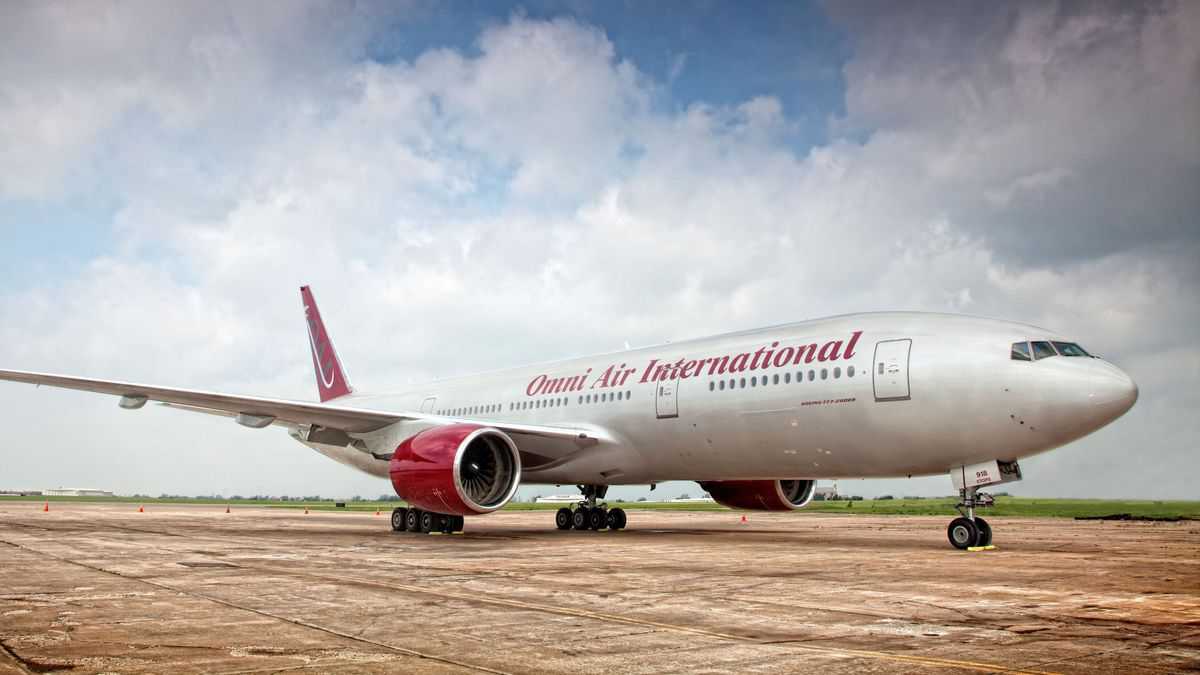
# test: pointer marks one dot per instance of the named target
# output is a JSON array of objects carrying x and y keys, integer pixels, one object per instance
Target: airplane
[{"x": 755, "y": 417}]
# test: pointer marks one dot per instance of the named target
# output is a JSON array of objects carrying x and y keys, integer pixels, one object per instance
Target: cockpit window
[
  {"x": 1070, "y": 349},
  {"x": 1043, "y": 350},
  {"x": 1020, "y": 351}
]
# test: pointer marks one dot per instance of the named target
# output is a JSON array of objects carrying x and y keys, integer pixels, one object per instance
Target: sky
[{"x": 474, "y": 185}]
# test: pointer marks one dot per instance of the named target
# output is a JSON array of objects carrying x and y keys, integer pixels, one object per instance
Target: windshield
[
  {"x": 1043, "y": 350},
  {"x": 1070, "y": 349}
]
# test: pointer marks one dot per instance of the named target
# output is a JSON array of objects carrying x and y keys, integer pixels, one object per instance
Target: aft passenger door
[
  {"x": 666, "y": 402},
  {"x": 891, "y": 370}
]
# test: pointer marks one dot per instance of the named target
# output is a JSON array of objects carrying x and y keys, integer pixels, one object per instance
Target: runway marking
[
  {"x": 550, "y": 609},
  {"x": 297, "y": 622}
]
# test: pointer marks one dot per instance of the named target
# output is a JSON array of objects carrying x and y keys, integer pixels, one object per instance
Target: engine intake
[
  {"x": 762, "y": 495},
  {"x": 457, "y": 469}
]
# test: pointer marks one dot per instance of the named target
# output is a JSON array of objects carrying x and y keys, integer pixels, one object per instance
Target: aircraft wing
[{"x": 267, "y": 411}]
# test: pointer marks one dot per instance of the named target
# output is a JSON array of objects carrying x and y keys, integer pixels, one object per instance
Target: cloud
[{"x": 536, "y": 196}]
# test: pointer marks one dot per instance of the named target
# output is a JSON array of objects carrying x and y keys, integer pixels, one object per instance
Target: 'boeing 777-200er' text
[{"x": 755, "y": 417}]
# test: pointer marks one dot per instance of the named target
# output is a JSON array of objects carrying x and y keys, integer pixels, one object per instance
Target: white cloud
[{"x": 525, "y": 200}]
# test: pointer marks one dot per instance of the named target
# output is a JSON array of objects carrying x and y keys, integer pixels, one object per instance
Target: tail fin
[{"x": 331, "y": 377}]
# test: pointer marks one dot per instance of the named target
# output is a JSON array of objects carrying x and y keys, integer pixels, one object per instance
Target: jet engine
[
  {"x": 761, "y": 495},
  {"x": 457, "y": 469}
]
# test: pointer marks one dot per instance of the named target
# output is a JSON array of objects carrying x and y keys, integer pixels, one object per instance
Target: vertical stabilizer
[{"x": 331, "y": 377}]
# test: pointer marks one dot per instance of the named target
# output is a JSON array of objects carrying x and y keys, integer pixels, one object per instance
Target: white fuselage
[{"x": 927, "y": 393}]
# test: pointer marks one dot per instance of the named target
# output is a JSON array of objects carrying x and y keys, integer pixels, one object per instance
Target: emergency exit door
[
  {"x": 666, "y": 402},
  {"x": 891, "y": 370}
]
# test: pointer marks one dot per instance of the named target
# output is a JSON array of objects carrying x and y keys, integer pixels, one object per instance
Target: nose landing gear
[
  {"x": 589, "y": 515},
  {"x": 969, "y": 530}
]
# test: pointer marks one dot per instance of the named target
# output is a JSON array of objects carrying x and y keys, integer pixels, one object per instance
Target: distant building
[
  {"x": 558, "y": 499},
  {"x": 692, "y": 499},
  {"x": 823, "y": 493},
  {"x": 76, "y": 492}
]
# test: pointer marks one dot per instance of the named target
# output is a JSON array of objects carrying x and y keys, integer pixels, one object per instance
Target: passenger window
[
  {"x": 812, "y": 375},
  {"x": 775, "y": 378},
  {"x": 881, "y": 367},
  {"x": 837, "y": 372},
  {"x": 712, "y": 386},
  {"x": 722, "y": 387},
  {"x": 787, "y": 378},
  {"x": 1070, "y": 349},
  {"x": 1020, "y": 351},
  {"x": 627, "y": 393},
  {"x": 742, "y": 383},
  {"x": 754, "y": 382},
  {"x": 824, "y": 373},
  {"x": 1043, "y": 350},
  {"x": 850, "y": 371}
]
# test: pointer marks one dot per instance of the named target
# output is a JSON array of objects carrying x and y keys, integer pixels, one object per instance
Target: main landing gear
[
  {"x": 969, "y": 530},
  {"x": 588, "y": 515},
  {"x": 416, "y": 520}
]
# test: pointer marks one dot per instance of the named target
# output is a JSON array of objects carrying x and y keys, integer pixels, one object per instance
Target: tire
[
  {"x": 441, "y": 523},
  {"x": 616, "y": 519},
  {"x": 597, "y": 519},
  {"x": 580, "y": 519},
  {"x": 398, "y": 519},
  {"x": 456, "y": 523},
  {"x": 412, "y": 520},
  {"x": 562, "y": 519},
  {"x": 985, "y": 532},
  {"x": 427, "y": 522},
  {"x": 962, "y": 533}
]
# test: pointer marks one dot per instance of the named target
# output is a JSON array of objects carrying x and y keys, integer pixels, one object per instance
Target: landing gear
[
  {"x": 416, "y": 520},
  {"x": 589, "y": 515},
  {"x": 969, "y": 530},
  {"x": 562, "y": 519}
]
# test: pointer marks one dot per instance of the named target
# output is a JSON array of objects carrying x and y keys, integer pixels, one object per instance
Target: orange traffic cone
[
  {"x": 376, "y": 511},
  {"x": 744, "y": 521},
  {"x": 226, "y": 508},
  {"x": 141, "y": 509},
  {"x": 46, "y": 508},
  {"x": 306, "y": 510}
]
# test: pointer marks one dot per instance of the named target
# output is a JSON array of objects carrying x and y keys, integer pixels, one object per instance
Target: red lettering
[
  {"x": 830, "y": 355},
  {"x": 739, "y": 363},
  {"x": 646, "y": 373},
  {"x": 718, "y": 365},
  {"x": 853, "y": 341},
  {"x": 783, "y": 356},
  {"x": 535, "y": 386},
  {"x": 806, "y": 352},
  {"x": 757, "y": 355}
]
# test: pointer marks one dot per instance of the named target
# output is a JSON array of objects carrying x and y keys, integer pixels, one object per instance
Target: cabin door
[
  {"x": 891, "y": 370},
  {"x": 428, "y": 405},
  {"x": 666, "y": 402}
]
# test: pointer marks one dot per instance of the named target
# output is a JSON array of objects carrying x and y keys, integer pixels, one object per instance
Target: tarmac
[{"x": 89, "y": 588}]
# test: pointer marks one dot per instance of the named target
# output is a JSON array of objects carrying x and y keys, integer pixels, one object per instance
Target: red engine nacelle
[
  {"x": 761, "y": 495},
  {"x": 458, "y": 469}
]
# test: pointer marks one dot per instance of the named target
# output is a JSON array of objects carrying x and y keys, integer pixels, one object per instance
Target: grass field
[{"x": 1005, "y": 506}]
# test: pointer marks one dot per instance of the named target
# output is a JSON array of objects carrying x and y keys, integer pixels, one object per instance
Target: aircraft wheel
[
  {"x": 399, "y": 515},
  {"x": 985, "y": 532},
  {"x": 427, "y": 522},
  {"x": 597, "y": 519},
  {"x": 962, "y": 533},
  {"x": 441, "y": 523},
  {"x": 562, "y": 519},
  {"x": 412, "y": 520},
  {"x": 456, "y": 523},
  {"x": 616, "y": 519},
  {"x": 581, "y": 518}
]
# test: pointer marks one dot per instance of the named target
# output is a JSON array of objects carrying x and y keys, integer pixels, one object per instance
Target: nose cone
[{"x": 1113, "y": 392}]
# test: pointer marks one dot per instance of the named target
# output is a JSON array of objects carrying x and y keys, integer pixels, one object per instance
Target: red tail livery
[{"x": 331, "y": 377}]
